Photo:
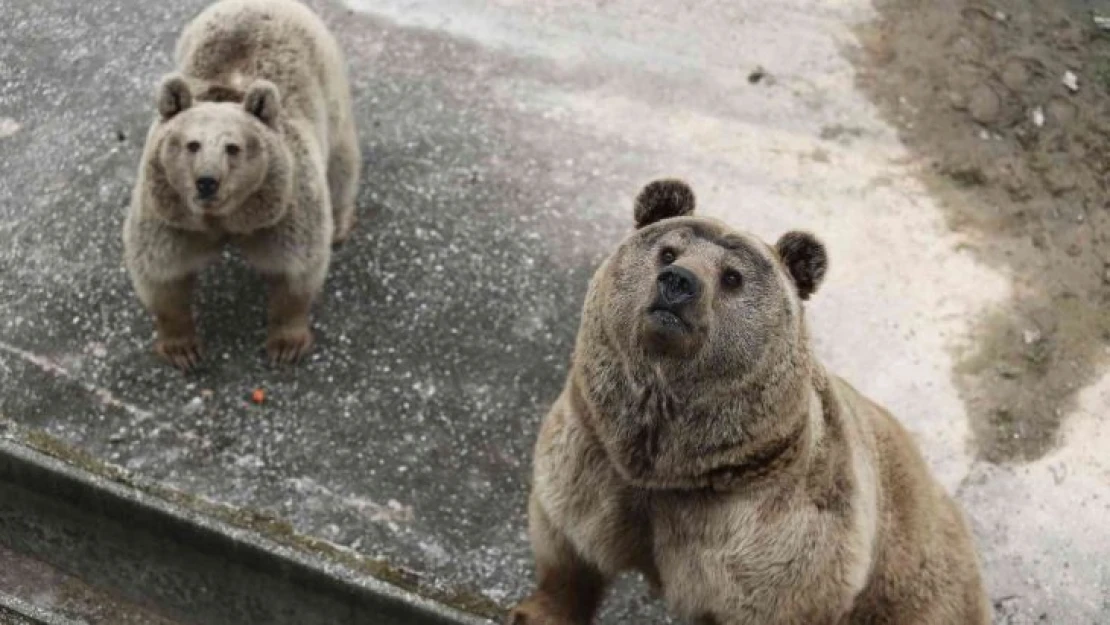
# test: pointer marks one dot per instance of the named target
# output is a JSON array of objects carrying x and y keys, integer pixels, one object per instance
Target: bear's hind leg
[{"x": 344, "y": 167}]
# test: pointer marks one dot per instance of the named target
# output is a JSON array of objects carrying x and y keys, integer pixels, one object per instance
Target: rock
[
  {"x": 1031, "y": 336},
  {"x": 1102, "y": 22},
  {"x": 8, "y": 127},
  {"x": 984, "y": 105},
  {"x": 957, "y": 100},
  {"x": 1059, "y": 181},
  {"x": 194, "y": 405},
  {"x": 1071, "y": 81},
  {"x": 1037, "y": 116},
  {"x": 965, "y": 174},
  {"x": 1060, "y": 111},
  {"x": 1015, "y": 75}
]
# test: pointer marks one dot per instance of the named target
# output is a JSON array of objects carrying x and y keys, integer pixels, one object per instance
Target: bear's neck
[{"x": 682, "y": 429}]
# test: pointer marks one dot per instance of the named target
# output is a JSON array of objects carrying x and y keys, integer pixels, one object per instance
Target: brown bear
[
  {"x": 699, "y": 441},
  {"x": 254, "y": 146}
]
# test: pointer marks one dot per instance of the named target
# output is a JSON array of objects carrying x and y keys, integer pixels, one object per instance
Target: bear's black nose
[
  {"x": 207, "y": 186},
  {"x": 677, "y": 286}
]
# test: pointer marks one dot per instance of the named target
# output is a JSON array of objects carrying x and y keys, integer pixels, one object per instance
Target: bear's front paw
[
  {"x": 289, "y": 345},
  {"x": 181, "y": 352},
  {"x": 536, "y": 610}
]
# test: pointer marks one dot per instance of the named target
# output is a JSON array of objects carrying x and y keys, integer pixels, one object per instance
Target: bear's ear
[
  {"x": 805, "y": 259},
  {"x": 262, "y": 101},
  {"x": 173, "y": 96},
  {"x": 663, "y": 199}
]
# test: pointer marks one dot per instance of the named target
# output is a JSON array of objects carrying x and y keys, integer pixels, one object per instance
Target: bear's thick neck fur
[{"x": 677, "y": 425}]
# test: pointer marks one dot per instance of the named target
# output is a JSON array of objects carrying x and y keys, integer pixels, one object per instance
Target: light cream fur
[{"x": 260, "y": 103}]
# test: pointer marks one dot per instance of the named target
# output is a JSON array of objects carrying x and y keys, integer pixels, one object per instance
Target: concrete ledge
[
  {"x": 185, "y": 564},
  {"x": 15, "y": 611}
]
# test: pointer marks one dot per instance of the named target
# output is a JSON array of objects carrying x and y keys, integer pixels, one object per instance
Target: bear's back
[{"x": 233, "y": 42}]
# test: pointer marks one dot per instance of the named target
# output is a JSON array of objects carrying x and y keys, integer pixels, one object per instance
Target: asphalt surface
[{"x": 503, "y": 145}]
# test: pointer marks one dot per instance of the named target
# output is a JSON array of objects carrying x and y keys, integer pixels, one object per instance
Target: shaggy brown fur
[
  {"x": 254, "y": 146},
  {"x": 699, "y": 442}
]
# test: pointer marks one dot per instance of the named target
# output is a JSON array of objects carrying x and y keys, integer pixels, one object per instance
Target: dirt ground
[{"x": 1008, "y": 102}]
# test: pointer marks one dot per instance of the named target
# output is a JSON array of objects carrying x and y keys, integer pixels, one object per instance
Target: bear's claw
[
  {"x": 289, "y": 347},
  {"x": 183, "y": 353}
]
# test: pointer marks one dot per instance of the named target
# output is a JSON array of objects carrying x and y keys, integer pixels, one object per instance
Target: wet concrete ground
[{"x": 504, "y": 143}]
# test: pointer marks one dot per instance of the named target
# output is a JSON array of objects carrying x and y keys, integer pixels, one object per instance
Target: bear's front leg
[
  {"x": 163, "y": 264},
  {"x": 289, "y": 335},
  {"x": 569, "y": 589},
  {"x": 170, "y": 303}
]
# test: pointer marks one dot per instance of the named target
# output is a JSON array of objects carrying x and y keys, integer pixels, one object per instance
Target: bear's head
[
  {"x": 216, "y": 155},
  {"x": 693, "y": 342}
]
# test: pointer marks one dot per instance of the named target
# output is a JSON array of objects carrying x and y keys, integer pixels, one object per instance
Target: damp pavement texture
[{"x": 503, "y": 144}]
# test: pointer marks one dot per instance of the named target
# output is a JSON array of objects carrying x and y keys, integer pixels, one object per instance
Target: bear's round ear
[
  {"x": 262, "y": 101},
  {"x": 173, "y": 96},
  {"x": 663, "y": 199},
  {"x": 805, "y": 259}
]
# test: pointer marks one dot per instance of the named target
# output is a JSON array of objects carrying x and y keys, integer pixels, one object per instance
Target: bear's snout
[
  {"x": 677, "y": 286},
  {"x": 207, "y": 187}
]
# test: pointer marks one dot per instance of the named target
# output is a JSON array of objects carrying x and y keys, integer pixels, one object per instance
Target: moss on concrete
[{"x": 265, "y": 525}]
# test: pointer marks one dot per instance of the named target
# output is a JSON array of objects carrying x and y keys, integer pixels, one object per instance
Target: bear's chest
[
  {"x": 713, "y": 558},
  {"x": 730, "y": 559}
]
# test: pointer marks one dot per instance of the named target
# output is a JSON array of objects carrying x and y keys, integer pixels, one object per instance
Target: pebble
[
  {"x": 8, "y": 127},
  {"x": 1060, "y": 111},
  {"x": 1031, "y": 336},
  {"x": 1015, "y": 75},
  {"x": 1038, "y": 117},
  {"x": 1071, "y": 81},
  {"x": 984, "y": 105}
]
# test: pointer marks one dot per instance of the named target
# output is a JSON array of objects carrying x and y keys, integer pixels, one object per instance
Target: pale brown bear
[
  {"x": 700, "y": 442},
  {"x": 254, "y": 145}
]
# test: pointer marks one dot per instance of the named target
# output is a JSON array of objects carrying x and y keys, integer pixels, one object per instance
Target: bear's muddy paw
[
  {"x": 536, "y": 611},
  {"x": 288, "y": 346},
  {"x": 181, "y": 352}
]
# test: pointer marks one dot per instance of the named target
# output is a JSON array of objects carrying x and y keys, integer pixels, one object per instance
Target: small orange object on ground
[{"x": 258, "y": 396}]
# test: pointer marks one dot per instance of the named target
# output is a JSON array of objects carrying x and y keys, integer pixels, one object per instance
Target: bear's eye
[
  {"x": 732, "y": 279},
  {"x": 193, "y": 146},
  {"x": 667, "y": 256},
  {"x": 232, "y": 150}
]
